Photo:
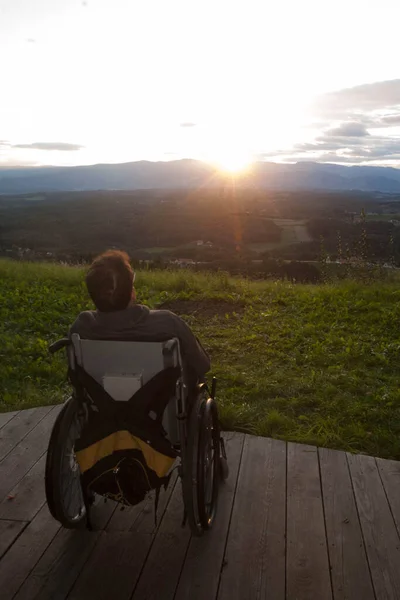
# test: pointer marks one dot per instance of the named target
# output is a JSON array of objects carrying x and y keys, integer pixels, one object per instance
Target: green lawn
[
  {"x": 315, "y": 364},
  {"x": 156, "y": 249},
  {"x": 382, "y": 217},
  {"x": 294, "y": 231}
]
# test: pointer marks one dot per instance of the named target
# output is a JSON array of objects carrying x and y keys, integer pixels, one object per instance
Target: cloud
[
  {"x": 187, "y": 124},
  {"x": 327, "y": 157},
  {"x": 348, "y": 149},
  {"x": 324, "y": 143},
  {"x": 390, "y": 120},
  {"x": 356, "y": 125},
  {"x": 60, "y": 146},
  {"x": 337, "y": 142},
  {"x": 349, "y": 129},
  {"x": 362, "y": 98},
  {"x": 351, "y": 138},
  {"x": 261, "y": 156}
]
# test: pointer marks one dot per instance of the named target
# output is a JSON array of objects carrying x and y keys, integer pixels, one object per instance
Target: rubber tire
[
  {"x": 189, "y": 467},
  {"x": 54, "y": 463},
  {"x": 209, "y": 411}
]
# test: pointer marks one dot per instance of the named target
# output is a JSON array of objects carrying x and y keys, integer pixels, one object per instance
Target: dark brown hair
[{"x": 109, "y": 281}]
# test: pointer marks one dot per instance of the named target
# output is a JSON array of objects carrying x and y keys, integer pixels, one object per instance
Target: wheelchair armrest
[
  {"x": 203, "y": 385},
  {"x": 169, "y": 347},
  {"x": 59, "y": 344}
]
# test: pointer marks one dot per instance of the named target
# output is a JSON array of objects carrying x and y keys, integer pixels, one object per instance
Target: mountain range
[{"x": 189, "y": 174}]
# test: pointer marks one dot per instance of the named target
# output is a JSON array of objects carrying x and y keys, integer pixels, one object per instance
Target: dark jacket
[{"x": 139, "y": 323}]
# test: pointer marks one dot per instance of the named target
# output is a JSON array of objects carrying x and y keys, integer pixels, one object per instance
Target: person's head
[{"x": 110, "y": 280}]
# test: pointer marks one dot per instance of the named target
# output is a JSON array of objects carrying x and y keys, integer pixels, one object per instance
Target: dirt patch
[{"x": 207, "y": 307}]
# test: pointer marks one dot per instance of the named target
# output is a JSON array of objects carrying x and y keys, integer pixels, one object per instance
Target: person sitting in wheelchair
[
  {"x": 120, "y": 444},
  {"x": 109, "y": 281}
]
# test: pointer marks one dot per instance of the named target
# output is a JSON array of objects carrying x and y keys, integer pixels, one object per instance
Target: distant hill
[{"x": 189, "y": 174}]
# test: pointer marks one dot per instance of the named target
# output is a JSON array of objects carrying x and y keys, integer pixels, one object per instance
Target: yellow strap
[{"x": 123, "y": 440}]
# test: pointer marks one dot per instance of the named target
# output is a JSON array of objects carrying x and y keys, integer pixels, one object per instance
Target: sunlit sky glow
[{"x": 94, "y": 81}]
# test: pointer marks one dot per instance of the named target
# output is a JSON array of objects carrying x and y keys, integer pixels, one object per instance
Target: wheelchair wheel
[
  {"x": 201, "y": 469},
  {"x": 209, "y": 463},
  {"x": 62, "y": 476}
]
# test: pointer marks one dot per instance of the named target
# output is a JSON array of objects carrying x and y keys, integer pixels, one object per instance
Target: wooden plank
[
  {"x": 125, "y": 520},
  {"x": 23, "y": 555},
  {"x": 115, "y": 564},
  {"x": 389, "y": 471},
  {"x": 164, "y": 562},
  {"x": 206, "y": 553},
  {"x": 381, "y": 538},
  {"x": 27, "y": 497},
  {"x": 19, "y": 427},
  {"x": 6, "y": 417},
  {"x": 58, "y": 568},
  {"x": 307, "y": 565},
  {"x": 114, "y": 567},
  {"x": 9, "y": 531},
  {"x": 255, "y": 551},
  {"x": 349, "y": 567},
  {"x": 18, "y": 462}
]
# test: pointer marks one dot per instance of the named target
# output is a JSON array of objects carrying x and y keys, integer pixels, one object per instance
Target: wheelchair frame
[{"x": 194, "y": 457}]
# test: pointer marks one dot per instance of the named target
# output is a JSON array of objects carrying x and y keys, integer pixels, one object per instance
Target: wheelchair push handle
[{"x": 56, "y": 346}]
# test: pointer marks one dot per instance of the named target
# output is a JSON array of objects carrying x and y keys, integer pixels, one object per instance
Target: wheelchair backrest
[{"x": 122, "y": 367}]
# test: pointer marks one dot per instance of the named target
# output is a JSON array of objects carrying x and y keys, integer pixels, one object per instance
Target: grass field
[
  {"x": 156, "y": 250},
  {"x": 382, "y": 217},
  {"x": 293, "y": 232},
  {"x": 315, "y": 364}
]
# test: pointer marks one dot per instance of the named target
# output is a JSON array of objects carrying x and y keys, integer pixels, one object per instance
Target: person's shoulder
[
  {"x": 85, "y": 318},
  {"x": 163, "y": 315},
  {"x": 162, "y": 312}
]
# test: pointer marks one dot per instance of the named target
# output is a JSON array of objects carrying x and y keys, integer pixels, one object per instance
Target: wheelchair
[{"x": 190, "y": 425}]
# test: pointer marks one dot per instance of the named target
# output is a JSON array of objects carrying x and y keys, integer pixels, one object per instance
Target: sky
[{"x": 105, "y": 81}]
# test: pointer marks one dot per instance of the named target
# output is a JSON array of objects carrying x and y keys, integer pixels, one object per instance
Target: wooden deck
[{"x": 294, "y": 522}]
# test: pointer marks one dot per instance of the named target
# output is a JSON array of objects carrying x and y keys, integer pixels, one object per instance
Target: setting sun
[{"x": 233, "y": 162}]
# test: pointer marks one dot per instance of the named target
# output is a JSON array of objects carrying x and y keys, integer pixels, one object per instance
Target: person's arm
[{"x": 191, "y": 348}]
